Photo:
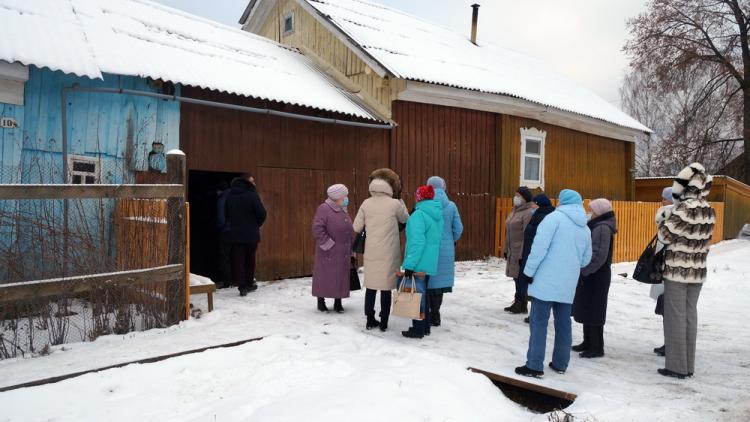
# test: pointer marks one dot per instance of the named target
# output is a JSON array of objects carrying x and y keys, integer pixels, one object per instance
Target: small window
[
  {"x": 288, "y": 23},
  {"x": 83, "y": 170},
  {"x": 532, "y": 157}
]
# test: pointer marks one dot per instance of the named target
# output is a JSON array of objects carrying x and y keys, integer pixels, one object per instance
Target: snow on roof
[
  {"x": 142, "y": 38},
  {"x": 414, "y": 49}
]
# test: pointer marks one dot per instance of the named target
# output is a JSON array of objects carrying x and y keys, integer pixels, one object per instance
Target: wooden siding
[
  {"x": 635, "y": 222},
  {"x": 593, "y": 165},
  {"x": 458, "y": 145},
  {"x": 734, "y": 194},
  {"x": 294, "y": 162},
  {"x": 310, "y": 33}
]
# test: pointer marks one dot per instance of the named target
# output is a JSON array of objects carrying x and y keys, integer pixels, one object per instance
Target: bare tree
[{"x": 676, "y": 40}]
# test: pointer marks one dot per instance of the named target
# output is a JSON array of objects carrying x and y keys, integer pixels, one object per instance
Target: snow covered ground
[{"x": 325, "y": 367}]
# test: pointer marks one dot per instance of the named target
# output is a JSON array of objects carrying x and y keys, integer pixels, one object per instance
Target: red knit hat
[{"x": 425, "y": 192}]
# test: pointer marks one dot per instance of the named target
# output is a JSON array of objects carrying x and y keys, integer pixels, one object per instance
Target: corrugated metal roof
[
  {"x": 142, "y": 38},
  {"x": 414, "y": 49}
]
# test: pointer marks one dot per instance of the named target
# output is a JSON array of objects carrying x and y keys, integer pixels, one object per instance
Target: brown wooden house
[{"x": 485, "y": 118}]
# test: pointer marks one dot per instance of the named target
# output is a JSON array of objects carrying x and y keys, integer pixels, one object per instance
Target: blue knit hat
[
  {"x": 570, "y": 197},
  {"x": 667, "y": 194},
  {"x": 436, "y": 182},
  {"x": 542, "y": 200}
]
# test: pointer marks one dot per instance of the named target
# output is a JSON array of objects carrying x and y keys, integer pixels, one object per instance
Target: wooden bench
[{"x": 203, "y": 285}]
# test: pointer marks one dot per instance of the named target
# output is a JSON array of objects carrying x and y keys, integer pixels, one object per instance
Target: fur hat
[
  {"x": 600, "y": 206},
  {"x": 337, "y": 192},
  {"x": 525, "y": 193},
  {"x": 691, "y": 182},
  {"x": 389, "y": 176},
  {"x": 425, "y": 192},
  {"x": 542, "y": 200}
]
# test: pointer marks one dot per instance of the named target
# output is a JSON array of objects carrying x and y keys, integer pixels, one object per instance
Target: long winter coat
[
  {"x": 688, "y": 230},
  {"x": 528, "y": 237},
  {"x": 514, "y": 227},
  {"x": 379, "y": 216},
  {"x": 452, "y": 230},
  {"x": 590, "y": 304},
  {"x": 332, "y": 230},
  {"x": 423, "y": 233},
  {"x": 562, "y": 247},
  {"x": 245, "y": 212}
]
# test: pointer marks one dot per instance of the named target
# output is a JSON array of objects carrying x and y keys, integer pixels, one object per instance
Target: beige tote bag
[{"x": 406, "y": 301}]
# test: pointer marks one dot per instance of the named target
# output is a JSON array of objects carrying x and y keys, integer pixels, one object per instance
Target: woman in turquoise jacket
[
  {"x": 442, "y": 282},
  {"x": 423, "y": 232}
]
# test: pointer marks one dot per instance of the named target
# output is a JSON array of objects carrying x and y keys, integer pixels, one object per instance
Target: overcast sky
[{"x": 580, "y": 38}]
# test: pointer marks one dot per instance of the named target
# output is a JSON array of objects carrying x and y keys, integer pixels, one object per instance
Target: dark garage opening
[{"x": 203, "y": 195}]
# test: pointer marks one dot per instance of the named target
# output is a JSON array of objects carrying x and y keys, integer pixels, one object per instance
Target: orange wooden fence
[{"x": 635, "y": 223}]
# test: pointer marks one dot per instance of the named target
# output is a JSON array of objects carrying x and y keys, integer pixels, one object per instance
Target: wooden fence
[{"x": 635, "y": 224}]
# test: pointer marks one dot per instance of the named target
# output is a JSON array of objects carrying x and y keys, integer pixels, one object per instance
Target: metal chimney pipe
[{"x": 474, "y": 20}]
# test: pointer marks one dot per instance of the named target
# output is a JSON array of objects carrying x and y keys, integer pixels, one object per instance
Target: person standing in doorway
[
  {"x": 442, "y": 281},
  {"x": 245, "y": 214},
  {"x": 686, "y": 234},
  {"x": 562, "y": 247},
  {"x": 332, "y": 230},
  {"x": 225, "y": 241},
  {"x": 514, "y": 237}
]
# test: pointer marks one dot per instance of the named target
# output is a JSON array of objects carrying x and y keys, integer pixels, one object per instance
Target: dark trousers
[
  {"x": 522, "y": 288},
  {"x": 243, "y": 264},
  {"x": 385, "y": 304},
  {"x": 225, "y": 259},
  {"x": 435, "y": 300},
  {"x": 593, "y": 337}
]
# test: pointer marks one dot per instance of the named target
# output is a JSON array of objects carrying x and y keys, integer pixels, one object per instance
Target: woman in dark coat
[
  {"x": 543, "y": 207},
  {"x": 332, "y": 230},
  {"x": 590, "y": 303}
]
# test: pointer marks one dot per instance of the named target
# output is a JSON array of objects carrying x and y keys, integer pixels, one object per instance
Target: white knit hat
[{"x": 337, "y": 192}]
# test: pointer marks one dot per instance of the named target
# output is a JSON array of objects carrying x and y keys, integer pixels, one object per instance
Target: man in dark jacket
[
  {"x": 245, "y": 214},
  {"x": 543, "y": 207}
]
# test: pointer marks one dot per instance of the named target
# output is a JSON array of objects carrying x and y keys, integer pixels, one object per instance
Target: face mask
[
  {"x": 345, "y": 202},
  {"x": 516, "y": 201}
]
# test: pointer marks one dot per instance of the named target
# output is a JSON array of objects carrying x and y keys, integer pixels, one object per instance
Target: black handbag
[
  {"x": 648, "y": 269},
  {"x": 354, "y": 280},
  {"x": 359, "y": 243}
]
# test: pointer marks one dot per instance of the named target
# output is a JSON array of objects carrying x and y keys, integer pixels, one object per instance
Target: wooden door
[{"x": 291, "y": 196}]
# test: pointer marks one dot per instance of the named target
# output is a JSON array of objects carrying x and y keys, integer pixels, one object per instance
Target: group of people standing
[
  {"x": 432, "y": 229},
  {"x": 560, "y": 259}
]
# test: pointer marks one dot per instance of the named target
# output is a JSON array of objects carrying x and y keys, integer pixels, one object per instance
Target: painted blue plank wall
[{"x": 117, "y": 129}]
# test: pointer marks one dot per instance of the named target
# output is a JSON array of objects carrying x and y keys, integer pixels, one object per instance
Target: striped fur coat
[{"x": 688, "y": 229}]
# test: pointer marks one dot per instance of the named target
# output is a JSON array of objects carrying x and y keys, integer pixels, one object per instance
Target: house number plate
[{"x": 7, "y": 122}]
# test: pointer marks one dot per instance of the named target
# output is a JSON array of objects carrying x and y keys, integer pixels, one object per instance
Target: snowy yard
[{"x": 326, "y": 367}]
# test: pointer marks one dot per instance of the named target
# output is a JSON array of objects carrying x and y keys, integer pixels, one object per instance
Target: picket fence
[{"x": 635, "y": 223}]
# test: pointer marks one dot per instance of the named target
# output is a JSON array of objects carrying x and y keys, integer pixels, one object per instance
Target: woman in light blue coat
[
  {"x": 442, "y": 282},
  {"x": 562, "y": 247}
]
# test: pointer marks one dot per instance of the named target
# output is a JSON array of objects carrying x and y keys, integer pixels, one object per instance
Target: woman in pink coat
[{"x": 332, "y": 230}]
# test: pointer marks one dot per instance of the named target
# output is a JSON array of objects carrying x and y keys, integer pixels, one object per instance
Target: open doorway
[{"x": 204, "y": 190}]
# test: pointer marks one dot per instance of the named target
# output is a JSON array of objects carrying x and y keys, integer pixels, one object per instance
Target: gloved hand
[{"x": 408, "y": 274}]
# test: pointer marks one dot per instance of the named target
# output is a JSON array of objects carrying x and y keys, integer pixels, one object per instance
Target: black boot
[
  {"x": 337, "y": 306},
  {"x": 322, "y": 305},
  {"x": 596, "y": 343},
  {"x": 518, "y": 307},
  {"x": 436, "y": 300},
  {"x": 528, "y": 372},
  {"x": 661, "y": 351},
  {"x": 385, "y": 309},
  {"x": 416, "y": 330},
  {"x": 372, "y": 322},
  {"x": 586, "y": 340}
]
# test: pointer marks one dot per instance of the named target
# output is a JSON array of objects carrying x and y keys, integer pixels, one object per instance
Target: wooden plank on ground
[
  {"x": 69, "y": 286},
  {"x": 91, "y": 191},
  {"x": 527, "y": 385}
]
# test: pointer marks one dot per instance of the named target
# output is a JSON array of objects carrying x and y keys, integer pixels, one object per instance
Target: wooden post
[
  {"x": 176, "y": 227},
  {"x": 187, "y": 265}
]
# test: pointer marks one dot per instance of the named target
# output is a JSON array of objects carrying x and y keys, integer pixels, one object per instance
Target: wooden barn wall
[
  {"x": 593, "y": 165},
  {"x": 310, "y": 33},
  {"x": 458, "y": 145},
  {"x": 294, "y": 161},
  {"x": 736, "y": 207}
]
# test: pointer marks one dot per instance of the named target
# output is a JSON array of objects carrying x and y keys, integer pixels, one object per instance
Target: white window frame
[
  {"x": 88, "y": 160},
  {"x": 540, "y": 136},
  {"x": 288, "y": 15},
  {"x": 13, "y": 77}
]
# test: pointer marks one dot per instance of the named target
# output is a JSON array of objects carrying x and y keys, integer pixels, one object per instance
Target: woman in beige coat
[
  {"x": 515, "y": 225},
  {"x": 379, "y": 217}
]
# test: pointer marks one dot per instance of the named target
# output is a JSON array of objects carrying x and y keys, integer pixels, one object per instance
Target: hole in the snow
[{"x": 535, "y": 397}]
